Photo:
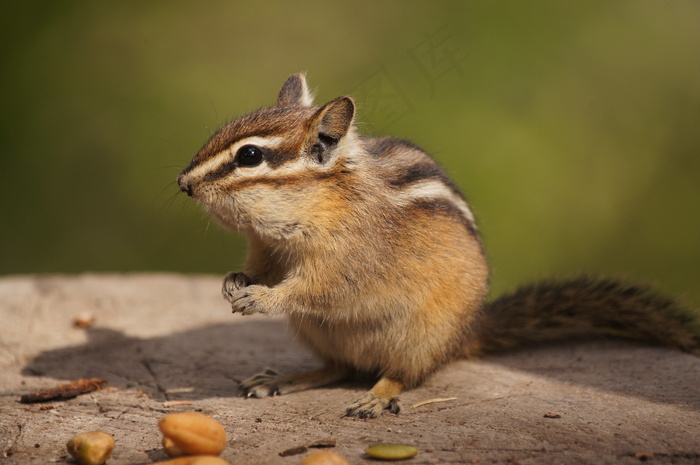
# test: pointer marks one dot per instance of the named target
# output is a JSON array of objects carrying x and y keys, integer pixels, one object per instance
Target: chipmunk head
[{"x": 267, "y": 171}]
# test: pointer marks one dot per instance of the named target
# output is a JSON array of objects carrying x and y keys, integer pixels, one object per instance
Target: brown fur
[
  {"x": 583, "y": 307},
  {"x": 372, "y": 253}
]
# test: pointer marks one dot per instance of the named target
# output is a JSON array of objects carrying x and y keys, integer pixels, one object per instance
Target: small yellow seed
[
  {"x": 192, "y": 433},
  {"x": 391, "y": 451},
  {"x": 324, "y": 458},
  {"x": 92, "y": 448}
]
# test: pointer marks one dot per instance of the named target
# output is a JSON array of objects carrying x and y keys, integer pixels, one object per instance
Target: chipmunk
[{"x": 374, "y": 256}]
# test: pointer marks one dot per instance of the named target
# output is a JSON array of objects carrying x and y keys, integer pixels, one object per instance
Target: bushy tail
[{"x": 582, "y": 307}]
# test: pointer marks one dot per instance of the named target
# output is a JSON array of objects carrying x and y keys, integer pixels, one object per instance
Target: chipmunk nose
[{"x": 184, "y": 185}]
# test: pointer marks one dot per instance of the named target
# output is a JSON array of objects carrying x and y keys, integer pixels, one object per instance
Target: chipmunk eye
[{"x": 249, "y": 155}]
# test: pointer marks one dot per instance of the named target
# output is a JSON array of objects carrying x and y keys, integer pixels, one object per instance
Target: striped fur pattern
[{"x": 365, "y": 244}]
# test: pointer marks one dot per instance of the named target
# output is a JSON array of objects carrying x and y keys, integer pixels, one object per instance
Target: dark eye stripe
[
  {"x": 247, "y": 156},
  {"x": 220, "y": 172}
]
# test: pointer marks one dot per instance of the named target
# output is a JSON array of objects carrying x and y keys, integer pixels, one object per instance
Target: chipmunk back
[{"x": 373, "y": 254}]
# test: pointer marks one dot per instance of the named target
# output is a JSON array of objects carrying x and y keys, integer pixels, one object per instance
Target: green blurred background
[{"x": 573, "y": 127}]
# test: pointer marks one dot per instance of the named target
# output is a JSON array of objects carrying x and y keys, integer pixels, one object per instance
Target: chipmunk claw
[
  {"x": 233, "y": 282},
  {"x": 263, "y": 384},
  {"x": 372, "y": 406},
  {"x": 246, "y": 302}
]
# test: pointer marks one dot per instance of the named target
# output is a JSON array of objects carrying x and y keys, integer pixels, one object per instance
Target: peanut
[
  {"x": 92, "y": 448},
  {"x": 192, "y": 433},
  {"x": 324, "y": 458}
]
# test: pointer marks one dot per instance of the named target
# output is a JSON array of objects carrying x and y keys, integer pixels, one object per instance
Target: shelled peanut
[
  {"x": 324, "y": 458},
  {"x": 192, "y": 433}
]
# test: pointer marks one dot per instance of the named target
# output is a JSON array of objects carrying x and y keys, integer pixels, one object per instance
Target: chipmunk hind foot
[
  {"x": 383, "y": 396},
  {"x": 372, "y": 406},
  {"x": 271, "y": 383}
]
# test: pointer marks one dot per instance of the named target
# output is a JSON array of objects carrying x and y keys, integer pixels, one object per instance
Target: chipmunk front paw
[
  {"x": 250, "y": 300},
  {"x": 234, "y": 282},
  {"x": 372, "y": 405}
]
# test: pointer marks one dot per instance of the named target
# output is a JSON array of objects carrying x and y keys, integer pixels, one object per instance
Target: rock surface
[{"x": 160, "y": 337}]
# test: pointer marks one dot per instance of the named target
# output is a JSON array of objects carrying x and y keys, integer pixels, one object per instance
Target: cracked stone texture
[{"x": 160, "y": 337}]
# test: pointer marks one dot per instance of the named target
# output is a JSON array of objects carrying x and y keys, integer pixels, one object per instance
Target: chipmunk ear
[
  {"x": 328, "y": 126},
  {"x": 295, "y": 92},
  {"x": 334, "y": 119}
]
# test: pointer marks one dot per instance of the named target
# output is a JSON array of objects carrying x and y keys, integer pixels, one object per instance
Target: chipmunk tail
[{"x": 555, "y": 311}]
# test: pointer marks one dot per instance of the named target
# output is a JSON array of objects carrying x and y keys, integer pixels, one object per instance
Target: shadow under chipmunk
[
  {"x": 203, "y": 362},
  {"x": 210, "y": 361}
]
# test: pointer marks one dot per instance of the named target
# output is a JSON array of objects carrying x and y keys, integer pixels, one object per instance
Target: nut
[
  {"x": 324, "y": 458},
  {"x": 391, "y": 451},
  {"x": 92, "y": 448},
  {"x": 192, "y": 433}
]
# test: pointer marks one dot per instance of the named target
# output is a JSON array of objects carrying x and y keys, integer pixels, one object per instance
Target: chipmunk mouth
[{"x": 226, "y": 219}]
